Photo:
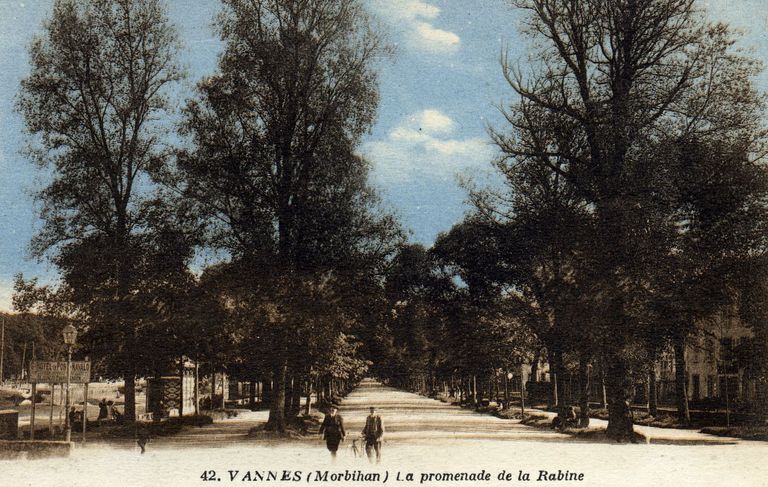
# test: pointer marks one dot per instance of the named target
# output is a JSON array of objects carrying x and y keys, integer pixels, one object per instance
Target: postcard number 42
[{"x": 209, "y": 475}]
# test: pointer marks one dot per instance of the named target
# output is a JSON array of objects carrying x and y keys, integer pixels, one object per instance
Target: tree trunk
[
  {"x": 276, "y": 421},
  {"x": 522, "y": 393},
  {"x": 561, "y": 377},
  {"x": 266, "y": 393},
  {"x": 252, "y": 395},
  {"x": 681, "y": 381},
  {"x": 130, "y": 397},
  {"x": 213, "y": 390},
  {"x": 653, "y": 405},
  {"x": 553, "y": 373},
  {"x": 584, "y": 391},
  {"x": 296, "y": 400},
  {"x": 224, "y": 390},
  {"x": 620, "y": 390},
  {"x": 308, "y": 406},
  {"x": 761, "y": 381},
  {"x": 506, "y": 387},
  {"x": 467, "y": 389},
  {"x": 603, "y": 393},
  {"x": 181, "y": 386},
  {"x": 289, "y": 396},
  {"x": 197, "y": 388}
]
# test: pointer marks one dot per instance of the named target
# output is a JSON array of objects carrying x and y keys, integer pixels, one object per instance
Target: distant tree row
[{"x": 28, "y": 337}]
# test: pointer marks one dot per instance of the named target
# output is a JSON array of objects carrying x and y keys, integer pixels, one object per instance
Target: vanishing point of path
[{"x": 412, "y": 418}]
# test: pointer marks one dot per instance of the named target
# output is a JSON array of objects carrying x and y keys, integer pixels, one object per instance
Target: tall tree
[
  {"x": 93, "y": 104},
  {"x": 274, "y": 134},
  {"x": 716, "y": 190},
  {"x": 540, "y": 234},
  {"x": 613, "y": 79}
]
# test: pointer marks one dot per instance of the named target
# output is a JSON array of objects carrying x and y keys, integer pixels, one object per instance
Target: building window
[{"x": 710, "y": 386}]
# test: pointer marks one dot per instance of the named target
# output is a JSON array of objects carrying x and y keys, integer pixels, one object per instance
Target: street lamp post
[{"x": 70, "y": 335}]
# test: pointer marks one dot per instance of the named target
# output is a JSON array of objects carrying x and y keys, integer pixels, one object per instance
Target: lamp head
[{"x": 70, "y": 335}]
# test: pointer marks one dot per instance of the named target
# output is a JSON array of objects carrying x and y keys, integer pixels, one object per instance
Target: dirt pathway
[
  {"x": 423, "y": 437},
  {"x": 413, "y": 418}
]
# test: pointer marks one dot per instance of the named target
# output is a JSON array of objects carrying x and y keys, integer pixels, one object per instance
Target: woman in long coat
[{"x": 332, "y": 430}]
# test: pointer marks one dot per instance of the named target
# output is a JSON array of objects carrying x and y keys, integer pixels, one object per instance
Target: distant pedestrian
[
  {"x": 142, "y": 436},
  {"x": 103, "y": 411},
  {"x": 332, "y": 430},
  {"x": 373, "y": 433},
  {"x": 117, "y": 417},
  {"x": 72, "y": 418}
]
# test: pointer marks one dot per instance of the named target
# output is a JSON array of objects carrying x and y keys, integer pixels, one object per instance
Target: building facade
[{"x": 718, "y": 365}]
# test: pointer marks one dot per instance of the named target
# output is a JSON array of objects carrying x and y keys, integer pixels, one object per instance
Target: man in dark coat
[
  {"x": 332, "y": 430},
  {"x": 72, "y": 418},
  {"x": 103, "y": 412},
  {"x": 372, "y": 432}
]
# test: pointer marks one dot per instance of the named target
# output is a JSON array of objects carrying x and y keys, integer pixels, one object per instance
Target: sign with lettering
[{"x": 56, "y": 372}]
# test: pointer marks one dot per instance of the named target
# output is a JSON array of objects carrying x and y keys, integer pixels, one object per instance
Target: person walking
[
  {"x": 373, "y": 432},
  {"x": 332, "y": 430},
  {"x": 73, "y": 419},
  {"x": 103, "y": 411},
  {"x": 142, "y": 436},
  {"x": 117, "y": 417}
]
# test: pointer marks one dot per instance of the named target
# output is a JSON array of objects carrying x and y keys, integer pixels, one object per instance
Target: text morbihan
[{"x": 346, "y": 476}]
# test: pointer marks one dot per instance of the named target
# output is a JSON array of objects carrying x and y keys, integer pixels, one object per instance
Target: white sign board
[{"x": 56, "y": 372}]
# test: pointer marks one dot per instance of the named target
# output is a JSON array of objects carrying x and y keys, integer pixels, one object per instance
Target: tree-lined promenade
[
  {"x": 423, "y": 437},
  {"x": 629, "y": 208}
]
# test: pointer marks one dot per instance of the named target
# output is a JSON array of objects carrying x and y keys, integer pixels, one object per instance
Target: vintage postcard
[{"x": 383, "y": 242}]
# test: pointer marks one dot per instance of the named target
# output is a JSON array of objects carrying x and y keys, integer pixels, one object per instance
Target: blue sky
[{"x": 438, "y": 96}]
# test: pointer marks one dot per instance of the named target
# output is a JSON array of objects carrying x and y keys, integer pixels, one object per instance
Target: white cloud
[
  {"x": 412, "y": 9},
  {"x": 424, "y": 143},
  {"x": 464, "y": 147},
  {"x": 408, "y": 135},
  {"x": 435, "y": 121},
  {"x": 416, "y": 18},
  {"x": 437, "y": 39}
]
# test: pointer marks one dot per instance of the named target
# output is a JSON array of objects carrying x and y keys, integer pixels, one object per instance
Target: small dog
[{"x": 355, "y": 448}]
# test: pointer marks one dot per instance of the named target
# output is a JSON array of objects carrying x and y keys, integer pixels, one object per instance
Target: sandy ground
[{"x": 423, "y": 436}]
